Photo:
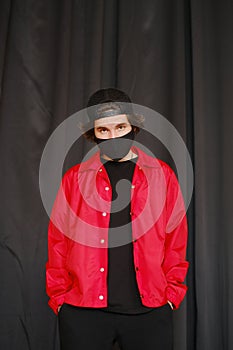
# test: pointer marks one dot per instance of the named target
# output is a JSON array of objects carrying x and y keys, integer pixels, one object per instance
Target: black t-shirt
[{"x": 123, "y": 293}]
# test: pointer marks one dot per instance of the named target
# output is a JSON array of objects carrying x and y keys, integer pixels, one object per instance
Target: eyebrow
[{"x": 105, "y": 127}]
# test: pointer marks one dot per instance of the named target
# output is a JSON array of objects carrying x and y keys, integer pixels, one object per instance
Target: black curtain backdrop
[{"x": 174, "y": 56}]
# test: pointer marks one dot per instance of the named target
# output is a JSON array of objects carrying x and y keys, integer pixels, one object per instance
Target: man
[{"x": 117, "y": 239}]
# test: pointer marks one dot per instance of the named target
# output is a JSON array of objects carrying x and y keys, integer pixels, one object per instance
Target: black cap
[
  {"x": 108, "y": 95},
  {"x": 108, "y": 102}
]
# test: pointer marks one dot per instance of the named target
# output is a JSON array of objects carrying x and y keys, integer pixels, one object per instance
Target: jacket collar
[{"x": 144, "y": 161}]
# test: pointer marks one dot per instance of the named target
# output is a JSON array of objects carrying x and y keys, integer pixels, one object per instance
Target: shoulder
[
  {"x": 166, "y": 168},
  {"x": 153, "y": 162},
  {"x": 71, "y": 171},
  {"x": 93, "y": 163}
]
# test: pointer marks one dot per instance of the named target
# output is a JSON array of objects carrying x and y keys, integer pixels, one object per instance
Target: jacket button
[
  {"x": 107, "y": 188},
  {"x": 133, "y": 186},
  {"x": 101, "y": 297},
  {"x": 102, "y": 241},
  {"x": 102, "y": 269},
  {"x": 104, "y": 214},
  {"x": 100, "y": 170},
  {"x": 141, "y": 296}
]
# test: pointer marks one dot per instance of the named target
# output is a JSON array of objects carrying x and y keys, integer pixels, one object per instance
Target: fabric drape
[{"x": 172, "y": 56}]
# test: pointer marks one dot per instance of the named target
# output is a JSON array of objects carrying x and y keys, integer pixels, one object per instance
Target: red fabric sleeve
[
  {"x": 175, "y": 266},
  {"x": 58, "y": 280}
]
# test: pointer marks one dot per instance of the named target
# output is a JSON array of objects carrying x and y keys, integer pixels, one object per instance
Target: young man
[{"x": 117, "y": 240}]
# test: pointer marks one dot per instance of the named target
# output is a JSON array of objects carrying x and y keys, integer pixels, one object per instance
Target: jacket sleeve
[
  {"x": 58, "y": 281},
  {"x": 174, "y": 265}
]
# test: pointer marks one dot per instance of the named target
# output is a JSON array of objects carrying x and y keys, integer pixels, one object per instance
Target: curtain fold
[
  {"x": 170, "y": 55},
  {"x": 212, "y": 33}
]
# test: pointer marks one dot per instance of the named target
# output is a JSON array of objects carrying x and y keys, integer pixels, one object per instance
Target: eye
[
  {"x": 121, "y": 127},
  {"x": 102, "y": 130}
]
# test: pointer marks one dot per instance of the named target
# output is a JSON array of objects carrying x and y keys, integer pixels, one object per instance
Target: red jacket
[{"x": 77, "y": 267}]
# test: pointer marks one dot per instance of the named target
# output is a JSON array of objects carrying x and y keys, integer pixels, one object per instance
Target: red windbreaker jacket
[{"x": 77, "y": 267}]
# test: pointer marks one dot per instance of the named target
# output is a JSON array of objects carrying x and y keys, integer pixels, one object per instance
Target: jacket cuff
[
  {"x": 53, "y": 303},
  {"x": 176, "y": 295}
]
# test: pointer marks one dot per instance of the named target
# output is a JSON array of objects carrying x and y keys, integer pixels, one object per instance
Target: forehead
[{"x": 114, "y": 120}]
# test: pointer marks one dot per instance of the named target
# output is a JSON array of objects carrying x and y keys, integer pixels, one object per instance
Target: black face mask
[{"x": 118, "y": 147}]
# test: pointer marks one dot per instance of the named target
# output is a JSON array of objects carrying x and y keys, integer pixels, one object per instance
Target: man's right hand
[{"x": 59, "y": 307}]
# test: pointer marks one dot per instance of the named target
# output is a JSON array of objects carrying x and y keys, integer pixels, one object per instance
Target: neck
[{"x": 129, "y": 156}]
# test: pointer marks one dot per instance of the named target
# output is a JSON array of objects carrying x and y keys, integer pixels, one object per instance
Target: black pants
[{"x": 93, "y": 329}]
